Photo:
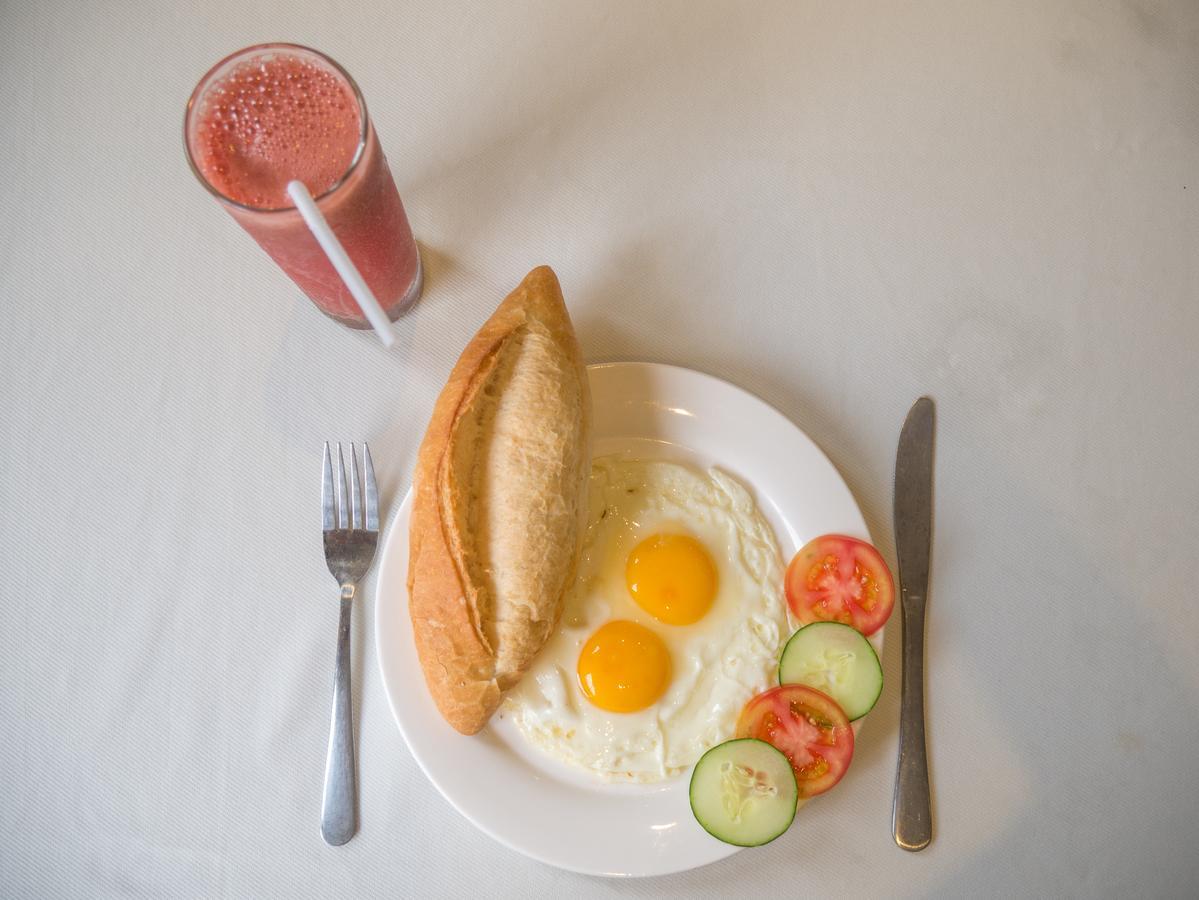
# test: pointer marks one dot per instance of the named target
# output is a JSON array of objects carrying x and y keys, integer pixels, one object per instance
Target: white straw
[{"x": 341, "y": 261}]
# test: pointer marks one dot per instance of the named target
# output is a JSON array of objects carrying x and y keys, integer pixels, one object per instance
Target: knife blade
[{"x": 911, "y": 814}]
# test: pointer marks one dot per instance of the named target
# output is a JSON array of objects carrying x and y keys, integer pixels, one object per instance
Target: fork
[{"x": 351, "y": 524}]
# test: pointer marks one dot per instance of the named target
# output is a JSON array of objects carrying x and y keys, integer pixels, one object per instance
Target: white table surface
[{"x": 838, "y": 206}]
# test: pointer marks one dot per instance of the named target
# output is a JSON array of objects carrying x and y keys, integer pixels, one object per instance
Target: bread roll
[{"x": 500, "y": 496}]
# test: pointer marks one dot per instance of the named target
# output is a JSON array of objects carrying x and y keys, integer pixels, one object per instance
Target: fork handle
[{"x": 338, "y": 817}]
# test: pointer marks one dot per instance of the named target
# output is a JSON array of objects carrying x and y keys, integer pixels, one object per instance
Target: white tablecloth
[{"x": 838, "y": 206}]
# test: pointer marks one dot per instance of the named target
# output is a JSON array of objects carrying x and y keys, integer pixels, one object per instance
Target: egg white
[{"x": 718, "y": 663}]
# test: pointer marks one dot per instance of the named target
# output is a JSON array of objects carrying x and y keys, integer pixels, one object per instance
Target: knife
[{"x": 911, "y": 814}]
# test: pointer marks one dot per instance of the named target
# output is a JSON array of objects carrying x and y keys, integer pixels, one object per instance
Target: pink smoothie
[
  {"x": 270, "y": 115},
  {"x": 268, "y": 122}
]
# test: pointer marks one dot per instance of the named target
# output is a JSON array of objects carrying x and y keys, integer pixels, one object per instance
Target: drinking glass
[{"x": 361, "y": 205}]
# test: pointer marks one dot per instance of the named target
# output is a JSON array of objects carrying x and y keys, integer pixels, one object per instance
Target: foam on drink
[{"x": 270, "y": 120}]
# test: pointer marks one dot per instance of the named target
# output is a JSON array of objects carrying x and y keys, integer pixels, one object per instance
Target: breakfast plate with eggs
[{"x": 674, "y": 619}]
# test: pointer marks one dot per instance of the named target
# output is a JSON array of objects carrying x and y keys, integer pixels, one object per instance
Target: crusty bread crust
[{"x": 499, "y": 496}]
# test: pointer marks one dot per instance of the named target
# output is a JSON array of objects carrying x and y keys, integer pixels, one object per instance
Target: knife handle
[{"x": 911, "y": 814}]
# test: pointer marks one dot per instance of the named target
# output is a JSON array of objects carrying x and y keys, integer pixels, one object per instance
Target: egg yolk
[
  {"x": 672, "y": 577},
  {"x": 624, "y": 667}
]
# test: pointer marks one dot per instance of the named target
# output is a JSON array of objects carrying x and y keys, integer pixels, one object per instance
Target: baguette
[{"x": 499, "y": 502}]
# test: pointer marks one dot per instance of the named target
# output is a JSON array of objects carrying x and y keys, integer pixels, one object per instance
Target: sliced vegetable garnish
[
  {"x": 744, "y": 792},
  {"x": 808, "y": 727},
  {"x": 840, "y": 579},
  {"x": 836, "y": 660}
]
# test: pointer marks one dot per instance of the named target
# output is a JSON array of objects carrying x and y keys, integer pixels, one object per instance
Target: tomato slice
[
  {"x": 808, "y": 727},
  {"x": 840, "y": 579}
]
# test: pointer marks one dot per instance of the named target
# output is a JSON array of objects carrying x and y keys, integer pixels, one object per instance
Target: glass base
[{"x": 397, "y": 309}]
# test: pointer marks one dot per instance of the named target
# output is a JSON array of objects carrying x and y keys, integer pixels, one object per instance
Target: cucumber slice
[
  {"x": 743, "y": 792},
  {"x": 836, "y": 660}
]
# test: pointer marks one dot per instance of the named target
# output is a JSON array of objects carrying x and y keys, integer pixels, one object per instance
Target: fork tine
[
  {"x": 328, "y": 517},
  {"x": 342, "y": 518},
  {"x": 372, "y": 490},
  {"x": 355, "y": 490}
]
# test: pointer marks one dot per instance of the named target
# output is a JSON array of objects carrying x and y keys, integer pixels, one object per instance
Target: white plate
[{"x": 510, "y": 790}]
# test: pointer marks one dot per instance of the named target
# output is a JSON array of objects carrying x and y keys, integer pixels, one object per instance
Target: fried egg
[{"x": 674, "y": 621}]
